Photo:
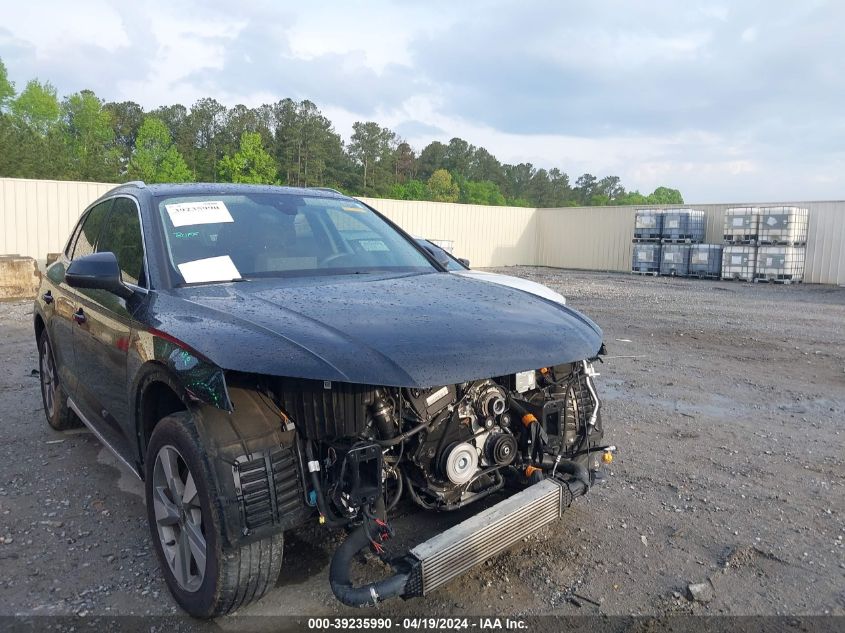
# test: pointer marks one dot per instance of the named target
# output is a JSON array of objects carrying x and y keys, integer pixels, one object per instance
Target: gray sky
[{"x": 726, "y": 101}]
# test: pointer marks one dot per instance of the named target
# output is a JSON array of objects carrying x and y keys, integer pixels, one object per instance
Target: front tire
[
  {"x": 185, "y": 524},
  {"x": 58, "y": 414}
]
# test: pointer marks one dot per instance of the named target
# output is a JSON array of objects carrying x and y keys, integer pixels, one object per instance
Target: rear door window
[{"x": 72, "y": 241}]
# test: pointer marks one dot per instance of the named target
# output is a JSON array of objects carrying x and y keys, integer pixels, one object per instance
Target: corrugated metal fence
[
  {"x": 599, "y": 238},
  {"x": 36, "y": 217},
  {"x": 487, "y": 236}
]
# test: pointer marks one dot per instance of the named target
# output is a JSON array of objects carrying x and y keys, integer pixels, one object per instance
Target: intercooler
[{"x": 461, "y": 547}]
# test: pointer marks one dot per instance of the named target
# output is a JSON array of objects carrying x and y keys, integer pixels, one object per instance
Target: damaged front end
[{"x": 349, "y": 453}]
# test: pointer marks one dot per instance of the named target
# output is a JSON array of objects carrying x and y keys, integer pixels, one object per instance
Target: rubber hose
[
  {"x": 578, "y": 488},
  {"x": 399, "y": 489},
  {"x": 413, "y": 493},
  {"x": 393, "y": 441},
  {"x": 366, "y": 595},
  {"x": 383, "y": 416},
  {"x": 581, "y": 474}
]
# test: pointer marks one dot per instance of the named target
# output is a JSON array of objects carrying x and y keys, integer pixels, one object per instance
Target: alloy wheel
[
  {"x": 49, "y": 384},
  {"x": 178, "y": 517}
]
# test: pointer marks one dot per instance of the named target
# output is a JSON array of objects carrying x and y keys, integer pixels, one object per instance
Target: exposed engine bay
[
  {"x": 363, "y": 448},
  {"x": 444, "y": 446}
]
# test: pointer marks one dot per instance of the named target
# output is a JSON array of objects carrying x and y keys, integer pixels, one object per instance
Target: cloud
[
  {"x": 749, "y": 35},
  {"x": 180, "y": 50},
  {"x": 260, "y": 58},
  {"x": 53, "y": 27},
  {"x": 630, "y": 73},
  {"x": 739, "y": 100},
  {"x": 415, "y": 130}
]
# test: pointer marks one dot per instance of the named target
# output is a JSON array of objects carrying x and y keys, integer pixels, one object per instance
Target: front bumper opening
[{"x": 458, "y": 549}]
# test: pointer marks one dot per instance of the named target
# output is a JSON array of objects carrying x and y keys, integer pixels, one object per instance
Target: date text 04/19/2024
[{"x": 418, "y": 624}]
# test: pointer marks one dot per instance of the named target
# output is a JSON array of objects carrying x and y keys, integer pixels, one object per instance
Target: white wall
[
  {"x": 599, "y": 238},
  {"x": 36, "y": 217},
  {"x": 487, "y": 236}
]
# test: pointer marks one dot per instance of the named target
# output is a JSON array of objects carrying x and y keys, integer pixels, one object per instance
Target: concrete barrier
[{"x": 19, "y": 277}]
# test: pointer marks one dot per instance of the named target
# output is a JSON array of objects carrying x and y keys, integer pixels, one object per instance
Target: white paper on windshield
[
  {"x": 373, "y": 245},
  {"x": 191, "y": 213},
  {"x": 209, "y": 269}
]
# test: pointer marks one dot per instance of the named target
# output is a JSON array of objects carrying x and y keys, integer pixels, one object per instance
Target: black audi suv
[{"x": 269, "y": 357}]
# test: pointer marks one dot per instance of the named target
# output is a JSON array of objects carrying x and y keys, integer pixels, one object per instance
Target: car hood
[
  {"x": 419, "y": 330},
  {"x": 514, "y": 282}
]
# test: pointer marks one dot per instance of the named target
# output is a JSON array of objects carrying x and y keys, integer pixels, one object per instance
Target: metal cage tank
[
  {"x": 739, "y": 262},
  {"x": 674, "y": 260},
  {"x": 705, "y": 260},
  {"x": 683, "y": 225},
  {"x": 646, "y": 259}
]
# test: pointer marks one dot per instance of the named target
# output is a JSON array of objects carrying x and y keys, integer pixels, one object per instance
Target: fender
[
  {"x": 196, "y": 377},
  {"x": 254, "y": 454},
  {"x": 252, "y": 451}
]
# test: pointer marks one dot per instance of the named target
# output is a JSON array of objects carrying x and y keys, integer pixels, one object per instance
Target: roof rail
[{"x": 135, "y": 183}]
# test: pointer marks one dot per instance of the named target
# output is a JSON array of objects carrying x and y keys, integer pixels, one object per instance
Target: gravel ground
[{"x": 726, "y": 401}]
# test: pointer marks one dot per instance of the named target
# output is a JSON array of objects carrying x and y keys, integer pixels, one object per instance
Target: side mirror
[
  {"x": 463, "y": 261},
  {"x": 97, "y": 271}
]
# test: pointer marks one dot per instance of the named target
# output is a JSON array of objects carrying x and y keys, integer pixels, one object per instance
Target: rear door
[{"x": 101, "y": 341}]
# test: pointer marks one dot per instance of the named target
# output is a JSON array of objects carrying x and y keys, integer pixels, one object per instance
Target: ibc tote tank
[
  {"x": 741, "y": 225},
  {"x": 685, "y": 225},
  {"x": 739, "y": 262},
  {"x": 784, "y": 264},
  {"x": 785, "y": 226},
  {"x": 646, "y": 258},
  {"x": 648, "y": 224},
  {"x": 705, "y": 260},
  {"x": 674, "y": 259}
]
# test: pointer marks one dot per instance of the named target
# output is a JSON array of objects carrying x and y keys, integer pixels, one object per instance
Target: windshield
[{"x": 227, "y": 237}]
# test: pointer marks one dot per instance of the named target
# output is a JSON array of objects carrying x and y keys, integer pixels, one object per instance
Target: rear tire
[
  {"x": 58, "y": 414},
  {"x": 182, "y": 523}
]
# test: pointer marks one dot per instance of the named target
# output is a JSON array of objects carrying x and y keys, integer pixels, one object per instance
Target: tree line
[{"x": 82, "y": 137}]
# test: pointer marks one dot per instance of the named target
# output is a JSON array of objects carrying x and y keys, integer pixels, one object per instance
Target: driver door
[{"x": 101, "y": 341}]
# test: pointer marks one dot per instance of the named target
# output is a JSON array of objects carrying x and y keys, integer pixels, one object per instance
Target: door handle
[
  {"x": 48, "y": 297},
  {"x": 79, "y": 316}
]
